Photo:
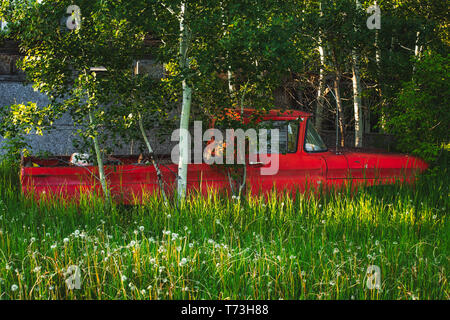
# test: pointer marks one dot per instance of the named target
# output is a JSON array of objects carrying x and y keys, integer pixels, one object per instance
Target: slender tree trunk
[
  {"x": 357, "y": 96},
  {"x": 357, "y": 102},
  {"x": 152, "y": 159},
  {"x": 186, "y": 107},
  {"x": 417, "y": 50},
  {"x": 337, "y": 92},
  {"x": 377, "y": 47},
  {"x": 101, "y": 168},
  {"x": 321, "y": 89}
]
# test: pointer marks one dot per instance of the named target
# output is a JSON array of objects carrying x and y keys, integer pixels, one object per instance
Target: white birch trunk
[
  {"x": 337, "y": 92},
  {"x": 152, "y": 158},
  {"x": 101, "y": 169},
  {"x": 185, "y": 109},
  {"x": 357, "y": 96},
  {"x": 321, "y": 89},
  {"x": 357, "y": 102}
]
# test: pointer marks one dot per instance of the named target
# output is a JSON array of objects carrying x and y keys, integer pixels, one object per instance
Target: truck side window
[
  {"x": 313, "y": 141},
  {"x": 288, "y": 135}
]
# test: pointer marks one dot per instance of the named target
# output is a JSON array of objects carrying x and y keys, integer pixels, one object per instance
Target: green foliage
[
  {"x": 420, "y": 117},
  {"x": 16, "y": 122}
]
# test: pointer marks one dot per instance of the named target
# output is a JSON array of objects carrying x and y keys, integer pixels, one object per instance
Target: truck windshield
[{"x": 313, "y": 141}]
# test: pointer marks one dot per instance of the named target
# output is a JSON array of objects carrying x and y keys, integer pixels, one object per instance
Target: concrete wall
[{"x": 59, "y": 140}]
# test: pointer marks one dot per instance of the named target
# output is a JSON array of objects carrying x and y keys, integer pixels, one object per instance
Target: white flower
[
  {"x": 14, "y": 287},
  {"x": 53, "y": 246},
  {"x": 183, "y": 262},
  {"x": 292, "y": 257},
  {"x": 141, "y": 228},
  {"x": 124, "y": 278},
  {"x": 335, "y": 251},
  {"x": 66, "y": 240}
]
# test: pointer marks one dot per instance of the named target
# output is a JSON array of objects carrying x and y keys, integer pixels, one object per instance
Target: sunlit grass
[{"x": 218, "y": 248}]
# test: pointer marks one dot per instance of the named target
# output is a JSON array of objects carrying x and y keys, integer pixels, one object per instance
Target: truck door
[{"x": 296, "y": 170}]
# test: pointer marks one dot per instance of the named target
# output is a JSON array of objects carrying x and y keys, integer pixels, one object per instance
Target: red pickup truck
[{"x": 304, "y": 161}]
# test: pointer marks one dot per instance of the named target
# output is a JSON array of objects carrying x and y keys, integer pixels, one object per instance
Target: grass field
[{"x": 217, "y": 248}]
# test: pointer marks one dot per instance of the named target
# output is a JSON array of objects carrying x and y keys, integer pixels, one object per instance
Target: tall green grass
[{"x": 313, "y": 247}]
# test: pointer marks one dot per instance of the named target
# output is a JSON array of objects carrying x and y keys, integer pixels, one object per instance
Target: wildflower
[
  {"x": 141, "y": 228},
  {"x": 66, "y": 240},
  {"x": 132, "y": 243},
  {"x": 191, "y": 245},
  {"x": 53, "y": 246},
  {"x": 14, "y": 287},
  {"x": 143, "y": 292},
  {"x": 76, "y": 233},
  {"x": 183, "y": 262},
  {"x": 335, "y": 251},
  {"x": 124, "y": 278},
  {"x": 292, "y": 257},
  {"x": 33, "y": 239}
]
